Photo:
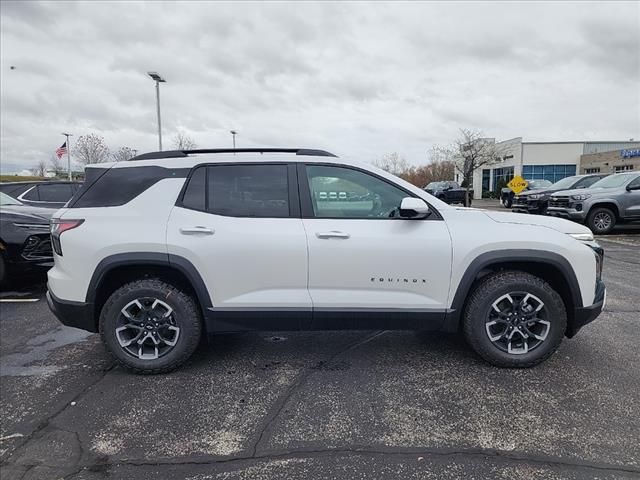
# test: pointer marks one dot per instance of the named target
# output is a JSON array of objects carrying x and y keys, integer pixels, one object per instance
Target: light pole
[
  {"x": 67, "y": 135},
  {"x": 158, "y": 79},
  {"x": 233, "y": 133}
]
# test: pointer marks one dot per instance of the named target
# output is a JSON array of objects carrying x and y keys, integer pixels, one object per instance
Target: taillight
[{"x": 58, "y": 227}]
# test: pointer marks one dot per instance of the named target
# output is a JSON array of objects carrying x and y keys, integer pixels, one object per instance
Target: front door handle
[
  {"x": 198, "y": 230},
  {"x": 332, "y": 234}
]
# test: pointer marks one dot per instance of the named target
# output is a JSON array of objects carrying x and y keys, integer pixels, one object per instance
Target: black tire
[
  {"x": 601, "y": 220},
  {"x": 185, "y": 315},
  {"x": 479, "y": 307},
  {"x": 507, "y": 202}
]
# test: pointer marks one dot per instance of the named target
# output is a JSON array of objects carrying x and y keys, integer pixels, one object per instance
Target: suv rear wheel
[
  {"x": 601, "y": 220},
  {"x": 514, "y": 319},
  {"x": 150, "y": 326}
]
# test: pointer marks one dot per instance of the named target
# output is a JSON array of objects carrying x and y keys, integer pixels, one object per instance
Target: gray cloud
[{"x": 361, "y": 79}]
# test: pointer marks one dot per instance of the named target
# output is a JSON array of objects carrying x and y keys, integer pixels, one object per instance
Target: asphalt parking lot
[{"x": 371, "y": 404}]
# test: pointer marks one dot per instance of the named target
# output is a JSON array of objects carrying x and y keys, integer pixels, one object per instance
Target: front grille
[
  {"x": 37, "y": 247},
  {"x": 561, "y": 202}
]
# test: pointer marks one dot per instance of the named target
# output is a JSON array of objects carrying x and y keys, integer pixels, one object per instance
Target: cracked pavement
[{"x": 372, "y": 404}]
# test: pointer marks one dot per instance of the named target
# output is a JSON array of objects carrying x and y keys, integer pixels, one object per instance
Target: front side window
[
  {"x": 339, "y": 192},
  {"x": 248, "y": 190},
  {"x": 635, "y": 184}
]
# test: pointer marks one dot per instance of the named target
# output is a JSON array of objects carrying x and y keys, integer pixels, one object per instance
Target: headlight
[
  {"x": 582, "y": 196},
  {"x": 583, "y": 237},
  {"x": 535, "y": 196}
]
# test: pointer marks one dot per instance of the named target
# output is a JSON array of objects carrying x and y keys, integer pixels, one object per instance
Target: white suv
[{"x": 155, "y": 252}]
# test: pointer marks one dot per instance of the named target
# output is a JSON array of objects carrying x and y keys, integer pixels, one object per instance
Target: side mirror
[
  {"x": 412, "y": 207},
  {"x": 632, "y": 187}
]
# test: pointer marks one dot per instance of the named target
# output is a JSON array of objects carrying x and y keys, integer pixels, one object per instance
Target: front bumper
[
  {"x": 584, "y": 315},
  {"x": 569, "y": 213},
  {"x": 73, "y": 314}
]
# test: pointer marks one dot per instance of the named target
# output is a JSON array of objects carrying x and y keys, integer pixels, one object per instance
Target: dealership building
[{"x": 553, "y": 161}]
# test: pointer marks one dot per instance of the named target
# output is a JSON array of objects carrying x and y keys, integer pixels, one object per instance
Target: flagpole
[{"x": 68, "y": 154}]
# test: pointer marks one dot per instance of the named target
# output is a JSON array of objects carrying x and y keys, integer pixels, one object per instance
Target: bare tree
[
  {"x": 56, "y": 164},
  {"x": 123, "y": 154},
  {"x": 474, "y": 152},
  {"x": 182, "y": 141},
  {"x": 392, "y": 163},
  {"x": 91, "y": 149},
  {"x": 40, "y": 170}
]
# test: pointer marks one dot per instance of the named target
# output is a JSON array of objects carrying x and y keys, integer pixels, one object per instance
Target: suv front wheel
[
  {"x": 514, "y": 319},
  {"x": 601, "y": 220},
  {"x": 150, "y": 326}
]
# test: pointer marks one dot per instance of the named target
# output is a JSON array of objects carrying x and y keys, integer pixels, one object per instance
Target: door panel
[
  {"x": 382, "y": 264},
  {"x": 245, "y": 262},
  {"x": 361, "y": 255}
]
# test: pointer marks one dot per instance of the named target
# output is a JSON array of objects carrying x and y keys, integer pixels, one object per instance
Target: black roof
[{"x": 186, "y": 153}]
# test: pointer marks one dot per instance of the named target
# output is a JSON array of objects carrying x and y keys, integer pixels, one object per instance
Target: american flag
[{"x": 61, "y": 150}]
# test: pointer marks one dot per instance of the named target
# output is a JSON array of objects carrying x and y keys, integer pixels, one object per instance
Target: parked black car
[
  {"x": 506, "y": 195},
  {"x": 537, "y": 201},
  {"x": 46, "y": 193},
  {"x": 25, "y": 242},
  {"x": 449, "y": 192}
]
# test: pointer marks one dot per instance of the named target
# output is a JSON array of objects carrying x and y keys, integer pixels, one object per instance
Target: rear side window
[
  {"x": 248, "y": 190},
  {"x": 239, "y": 190},
  {"x": 55, "y": 192}
]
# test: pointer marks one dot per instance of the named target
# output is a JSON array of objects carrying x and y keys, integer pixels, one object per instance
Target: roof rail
[{"x": 186, "y": 153}]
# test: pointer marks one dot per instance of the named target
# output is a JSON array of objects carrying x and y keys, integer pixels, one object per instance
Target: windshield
[
  {"x": 565, "y": 183},
  {"x": 435, "y": 185},
  {"x": 613, "y": 181},
  {"x": 7, "y": 200}
]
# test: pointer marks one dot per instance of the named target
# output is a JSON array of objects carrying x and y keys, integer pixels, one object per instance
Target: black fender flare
[
  {"x": 488, "y": 259},
  {"x": 150, "y": 258}
]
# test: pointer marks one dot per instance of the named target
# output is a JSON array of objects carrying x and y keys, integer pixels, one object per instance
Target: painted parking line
[{"x": 19, "y": 300}]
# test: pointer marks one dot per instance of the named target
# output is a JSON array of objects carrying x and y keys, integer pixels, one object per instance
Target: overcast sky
[{"x": 359, "y": 79}]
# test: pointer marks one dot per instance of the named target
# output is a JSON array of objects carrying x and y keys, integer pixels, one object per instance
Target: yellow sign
[{"x": 517, "y": 184}]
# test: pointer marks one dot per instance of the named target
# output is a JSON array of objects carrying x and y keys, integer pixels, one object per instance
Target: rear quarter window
[{"x": 118, "y": 186}]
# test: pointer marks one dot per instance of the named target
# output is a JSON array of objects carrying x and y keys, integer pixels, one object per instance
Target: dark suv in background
[
  {"x": 537, "y": 200},
  {"x": 25, "y": 241},
  {"x": 47, "y": 194}
]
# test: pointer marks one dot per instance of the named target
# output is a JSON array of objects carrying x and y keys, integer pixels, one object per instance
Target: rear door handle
[
  {"x": 332, "y": 234},
  {"x": 198, "y": 230}
]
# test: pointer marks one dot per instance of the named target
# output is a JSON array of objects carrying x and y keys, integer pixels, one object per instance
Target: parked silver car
[{"x": 614, "y": 199}]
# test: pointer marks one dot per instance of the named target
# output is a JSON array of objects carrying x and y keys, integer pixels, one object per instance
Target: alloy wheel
[
  {"x": 516, "y": 323},
  {"x": 147, "y": 328},
  {"x": 602, "y": 221}
]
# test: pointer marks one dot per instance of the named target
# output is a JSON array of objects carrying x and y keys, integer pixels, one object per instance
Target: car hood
[
  {"x": 28, "y": 214},
  {"x": 558, "y": 224}
]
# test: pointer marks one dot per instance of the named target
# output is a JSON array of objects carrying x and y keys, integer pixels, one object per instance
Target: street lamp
[
  {"x": 67, "y": 135},
  {"x": 158, "y": 79},
  {"x": 233, "y": 133}
]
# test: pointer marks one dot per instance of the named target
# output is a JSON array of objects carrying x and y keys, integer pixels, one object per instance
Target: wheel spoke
[
  {"x": 498, "y": 301},
  {"x": 175, "y": 336},
  {"x": 123, "y": 342},
  {"x": 497, "y": 336}
]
